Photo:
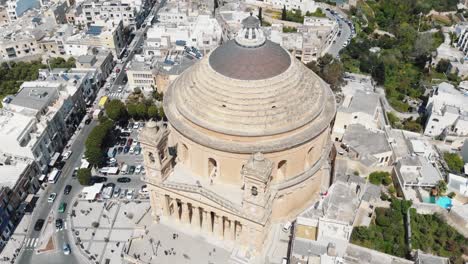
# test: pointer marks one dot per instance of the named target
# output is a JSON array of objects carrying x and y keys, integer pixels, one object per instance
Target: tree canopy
[
  {"x": 380, "y": 177},
  {"x": 97, "y": 141},
  {"x": 329, "y": 69},
  {"x": 116, "y": 110},
  {"x": 84, "y": 176},
  {"x": 454, "y": 162}
]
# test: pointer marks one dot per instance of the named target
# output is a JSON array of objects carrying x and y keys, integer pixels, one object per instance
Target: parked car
[
  {"x": 87, "y": 121},
  {"x": 125, "y": 134},
  {"x": 75, "y": 172},
  {"x": 123, "y": 141},
  {"x": 67, "y": 189},
  {"x": 123, "y": 193},
  {"x": 67, "y": 155},
  {"x": 52, "y": 197},
  {"x": 131, "y": 170},
  {"x": 144, "y": 190},
  {"x": 136, "y": 125},
  {"x": 66, "y": 249},
  {"x": 62, "y": 207},
  {"x": 131, "y": 150},
  {"x": 126, "y": 149},
  {"x": 119, "y": 150},
  {"x": 130, "y": 125},
  {"x": 116, "y": 192},
  {"x": 129, "y": 141},
  {"x": 124, "y": 179},
  {"x": 138, "y": 169},
  {"x": 39, "y": 224},
  {"x": 59, "y": 223},
  {"x": 130, "y": 194}
]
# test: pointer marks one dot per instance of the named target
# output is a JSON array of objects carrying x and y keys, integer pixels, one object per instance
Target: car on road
[
  {"x": 66, "y": 249},
  {"x": 131, "y": 170},
  {"x": 119, "y": 150},
  {"x": 124, "y": 179},
  {"x": 138, "y": 169},
  {"x": 120, "y": 89},
  {"x": 39, "y": 224},
  {"x": 67, "y": 155},
  {"x": 62, "y": 207},
  {"x": 52, "y": 197},
  {"x": 130, "y": 194},
  {"x": 136, "y": 125},
  {"x": 75, "y": 172},
  {"x": 59, "y": 223},
  {"x": 87, "y": 121},
  {"x": 117, "y": 70},
  {"x": 67, "y": 189}
]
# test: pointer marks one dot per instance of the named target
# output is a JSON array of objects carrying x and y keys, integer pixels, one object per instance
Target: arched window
[
  {"x": 282, "y": 165},
  {"x": 212, "y": 168}
]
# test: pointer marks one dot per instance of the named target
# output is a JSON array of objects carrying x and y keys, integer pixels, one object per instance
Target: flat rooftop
[{"x": 10, "y": 174}]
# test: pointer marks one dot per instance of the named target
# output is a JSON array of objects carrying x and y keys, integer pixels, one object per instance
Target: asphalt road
[
  {"x": 131, "y": 49},
  {"x": 345, "y": 35},
  {"x": 44, "y": 209}
]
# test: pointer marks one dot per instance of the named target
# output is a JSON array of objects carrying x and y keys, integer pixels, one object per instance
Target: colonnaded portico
[{"x": 246, "y": 144}]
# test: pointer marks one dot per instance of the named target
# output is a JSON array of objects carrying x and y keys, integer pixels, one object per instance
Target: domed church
[{"x": 247, "y": 142}]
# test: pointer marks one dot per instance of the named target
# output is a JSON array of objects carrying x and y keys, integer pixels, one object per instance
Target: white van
[{"x": 124, "y": 169}]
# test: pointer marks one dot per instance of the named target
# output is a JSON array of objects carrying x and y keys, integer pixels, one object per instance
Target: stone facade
[{"x": 242, "y": 149}]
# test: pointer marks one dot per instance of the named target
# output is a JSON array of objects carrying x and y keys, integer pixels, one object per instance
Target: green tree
[
  {"x": 116, "y": 110},
  {"x": 161, "y": 113},
  {"x": 132, "y": 110},
  {"x": 153, "y": 112},
  {"x": 284, "y": 13},
  {"x": 441, "y": 187},
  {"x": 454, "y": 162},
  {"x": 380, "y": 177},
  {"x": 443, "y": 66},
  {"x": 84, "y": 176},
  {"x": 141, "y": 110}
]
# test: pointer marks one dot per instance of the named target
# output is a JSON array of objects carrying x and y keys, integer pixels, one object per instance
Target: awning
[
  {"x": 91, "y": 191},
  {"x": 29, "y": 198}
]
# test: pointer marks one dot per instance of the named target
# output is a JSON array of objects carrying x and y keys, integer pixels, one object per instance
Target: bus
[
  {"x": 53, "y": 176},
  {"x": 54, "y": 159}
]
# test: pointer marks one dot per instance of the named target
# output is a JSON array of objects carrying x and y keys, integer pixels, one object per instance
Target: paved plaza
[{"x": 107, "y": 230}]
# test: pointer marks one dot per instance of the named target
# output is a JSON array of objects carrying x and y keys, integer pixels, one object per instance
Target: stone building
[{"x": 247, "y": 142}]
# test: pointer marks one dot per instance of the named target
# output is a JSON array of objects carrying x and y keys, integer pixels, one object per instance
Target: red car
[
  {"x": 117, "y": 70},
  {"x": 129, "y": 142}
]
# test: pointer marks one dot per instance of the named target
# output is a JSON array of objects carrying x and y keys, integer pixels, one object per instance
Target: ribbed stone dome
[{"x": 265, "y": 107}]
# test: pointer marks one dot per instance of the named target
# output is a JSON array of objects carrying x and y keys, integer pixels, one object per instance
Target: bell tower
[
  {"x": 158, "y": 162},
  {"x": 257, "y": 177}
]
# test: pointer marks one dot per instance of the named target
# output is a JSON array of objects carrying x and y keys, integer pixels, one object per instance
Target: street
[
  {"x": 337, "y": 45},
  {"x": 44, "y": 209}
]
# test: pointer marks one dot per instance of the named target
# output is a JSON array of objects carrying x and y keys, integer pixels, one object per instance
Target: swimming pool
[{"x": 444, "y": 202}]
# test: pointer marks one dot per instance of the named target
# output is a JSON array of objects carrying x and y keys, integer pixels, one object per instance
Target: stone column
[
  {"x": 185, "y": 216},
  {"x": 232, "y": 230},
  {"x": 166, "y": 211},
  {"x": 206, "y": 222},
  {"x": 195, "y": 217},
  {"x": 218, "y": 226},
  {"x": 175, "y": 211}
]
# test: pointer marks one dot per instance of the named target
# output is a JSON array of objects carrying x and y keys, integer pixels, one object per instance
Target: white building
[
  {"x": 414, "y": 172},
  {"x": 38, "y": 121},
  {"x": 361, "y": 108},
  {"x": 102, "y": 10},
  {"x": 447, "y": 110},
  {"x": 303, "y": 5},
  {"x": 311, "y": 41},
  {"x": 102, "y": 34}
]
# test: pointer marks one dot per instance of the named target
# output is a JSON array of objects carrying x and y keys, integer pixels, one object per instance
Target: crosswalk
[
  {"x": 31, "y": 242},
  {"x": 115, "y": 95}
]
